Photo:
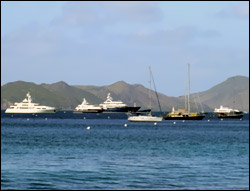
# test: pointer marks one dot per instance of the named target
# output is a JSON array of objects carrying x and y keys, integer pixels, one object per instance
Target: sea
[{"x": 68, "y": 151}]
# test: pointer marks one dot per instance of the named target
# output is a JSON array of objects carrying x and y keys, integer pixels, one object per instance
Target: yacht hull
[
  {"x": 89, "y": 111},
  {"x": 144, "y": 119},
  {"x": 30, "y": 111},
  {"x": 237, "y": 116},
  {"x": 184, "y": 118},
  {"x": 122, "y": 109}
]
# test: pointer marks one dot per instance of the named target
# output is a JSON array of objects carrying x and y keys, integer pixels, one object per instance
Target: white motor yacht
[
  {"x": 85, "y": 107},
  {"x": 117, "y": 106},
  {"x": 226, "y": 112},
  {"x": 26, "y": 106}
]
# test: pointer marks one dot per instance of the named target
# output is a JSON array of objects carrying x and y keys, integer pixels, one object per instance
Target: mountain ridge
[{"x": 60, "y": 94}]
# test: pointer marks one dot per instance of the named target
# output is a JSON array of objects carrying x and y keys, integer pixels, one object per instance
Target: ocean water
[{"x": 58, "y": 151}]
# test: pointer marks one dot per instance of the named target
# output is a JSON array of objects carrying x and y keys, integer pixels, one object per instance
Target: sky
[{"x": 102, "y": 42}]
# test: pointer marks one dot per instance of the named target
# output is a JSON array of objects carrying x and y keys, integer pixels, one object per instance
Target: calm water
[{"x": 56, "y": 151}]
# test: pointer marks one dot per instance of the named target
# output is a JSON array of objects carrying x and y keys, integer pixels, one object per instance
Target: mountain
[
  {"x": 234, "y": 92},
  {"x": 70, "y": 95}
]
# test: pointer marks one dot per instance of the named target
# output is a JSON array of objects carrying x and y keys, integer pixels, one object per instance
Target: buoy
[
  {"x": 155, "y": 123},
  {"x": 208, "y": 120},
  {"x": 240, "y": 118},
  {"x": 125, "y": 125},
  {"x": 88, "y": 128},
  {"x": 84, "y": 118},
  {"x": 11, "y": 115},
  {"x": 174, "y": 122},
  {"x": 46, "y": 118},
  {"x": 28, "y": 119},
  {"x": 221, "y": 119},
  {"x": 108, "y": 117},
  {"x": 183, "y": 121}
]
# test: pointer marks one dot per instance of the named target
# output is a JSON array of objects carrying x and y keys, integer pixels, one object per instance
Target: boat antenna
[{"x": 151, "y": 75}]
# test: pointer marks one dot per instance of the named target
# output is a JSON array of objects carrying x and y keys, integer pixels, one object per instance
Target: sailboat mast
[
  {"x": 150, "y": 96},
  {"x": 151, "y": 76},
  {"x": 188, "y": 87}
]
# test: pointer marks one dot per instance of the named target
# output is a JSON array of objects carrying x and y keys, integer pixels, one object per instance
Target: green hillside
[{"x": 234, "y": 92}]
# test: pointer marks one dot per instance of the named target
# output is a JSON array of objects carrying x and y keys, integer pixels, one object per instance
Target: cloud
[
  {"x": 85, "y": 13},
  {"x": 135, "y": 11},
  {"x": 175, "y": 36},
  {"x": 240, "y": 11},
  {"x": 32, "y": 39}
]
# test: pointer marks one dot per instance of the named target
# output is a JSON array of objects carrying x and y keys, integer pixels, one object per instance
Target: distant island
[{"x": 233, "y": 92}]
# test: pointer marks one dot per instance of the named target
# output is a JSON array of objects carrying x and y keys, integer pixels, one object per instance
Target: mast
[
  {"x": 151, "y": 74},
  {"x": 150, "y": 96},
  {"x": 188, "y": 87}
]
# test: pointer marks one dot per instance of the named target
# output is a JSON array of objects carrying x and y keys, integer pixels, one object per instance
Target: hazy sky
[{"x": 100, "y": 43}]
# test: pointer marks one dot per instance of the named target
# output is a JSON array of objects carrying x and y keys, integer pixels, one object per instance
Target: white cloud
[
  {"x": 102, "y": 13},
  {"x": 242, "y": 10},
  {"x": 175, "y": 36},
  {"x": 239, "y": 11}
]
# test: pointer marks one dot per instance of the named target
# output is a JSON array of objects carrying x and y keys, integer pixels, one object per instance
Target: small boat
[
  {"x": 85, "y": 107},
  {"x": 26, "y": 106},
  {"x": 148, "y": 117},
  {"x": 185, "y": 114},
  {"x": 117, "y": 106},
  {"x": 226, "y": 112}
]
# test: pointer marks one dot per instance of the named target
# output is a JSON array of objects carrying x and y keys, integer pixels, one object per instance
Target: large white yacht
[
  {"x": 85, "y": 107},
  {"x": 117, "y": 106},
  {"x": 226, "y": 112},
  {"x": 26, "y": 106}
]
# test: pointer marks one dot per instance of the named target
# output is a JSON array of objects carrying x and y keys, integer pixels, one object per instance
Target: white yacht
[
  {"x": 117, "y": 106},
  {"x": 26, "y": 106},
  {"x": 148, "y": 117},
  {"x": 226, "y": 112},
  {"x": 85, "y": 107},
  {"x": 144, "y": 118}
]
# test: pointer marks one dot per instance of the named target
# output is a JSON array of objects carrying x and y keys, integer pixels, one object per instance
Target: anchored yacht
[
  {"x": 117, "y": 106},
  {"x": 85, "y": 107},
  {"x": 148, "y": 117},
  {"x": 183, "y": 114},
  {"x": 226, "y": 112},
  {"x": 26, "y": 106}
]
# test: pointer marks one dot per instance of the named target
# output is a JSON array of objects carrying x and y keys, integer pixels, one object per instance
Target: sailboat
[
  {"x": 185, "y": 114},
  {"x": 149, "y": 117}
]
